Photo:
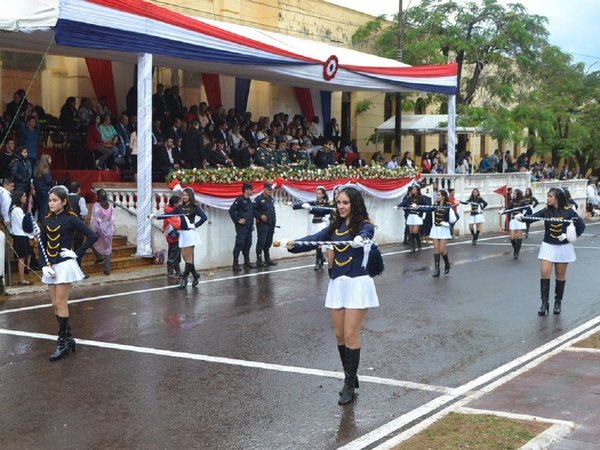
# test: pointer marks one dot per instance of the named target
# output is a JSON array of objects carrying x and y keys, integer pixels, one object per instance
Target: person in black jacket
[
  {"x": 562, "y": 226},
  {"x": 324, "y": 157},
  {"x": 61, "y": 268},
  {"x": 476, "y": 220},
  {"x": 193, "y": 154},
  {"x": 414, "y": 202},
  {"x": 20, "y": 170},
  {"x": 167, "y": 158},
  {"x": 240, "y": 212},
  {"x": 263, "y": 209}
]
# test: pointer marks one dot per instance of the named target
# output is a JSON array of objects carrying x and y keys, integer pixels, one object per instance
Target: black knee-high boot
[
  {"x": 545, "y": 293},
  {"x": 446, "y": 264},
  {"x": 436, "y": 262},
  {"x": 559, "y": 290},
  {"x": 184, "y": 276},
  {"x": 518, "y": 247},
  {"x": 342, "y": 352},
  {"x": 62, "y": 346},
  {"x": 350, "y": 381},
  {"x": 472, "y": 236},
  {"x": 476, "y": 236},
  {"x": 413, "y": 242},
  {"x": 513, "y": 244},
  {"x": 195, "y": 275},
  {"x": 418, "y": 238}
]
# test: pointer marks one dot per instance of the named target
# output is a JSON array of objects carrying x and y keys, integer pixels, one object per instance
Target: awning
[
  {"x": 422, "y": 124},
  {"x": 119, "y": 30}
]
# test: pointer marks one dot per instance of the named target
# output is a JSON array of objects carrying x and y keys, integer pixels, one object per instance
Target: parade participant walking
[
  {"x": 171, "y": 227},
  {"x": 414, "y": 203},
  {"x": 241, "y": 213},
  {"x": 321, "y": 210},
  {"x": 61, "y": 267},
  {"x": 103, "y": 224},
  {"x": 476, "y": 219},
  {"x": 443, "y": 217},
  {"x": 193, "y": 217},
  {"x": 532, "y": 202},
  {"x": 351, "y": 291},
  {"x": 516, "y": 206},
  {"x": 562, "y": 226},
  {"x": 263, "y": 209}
]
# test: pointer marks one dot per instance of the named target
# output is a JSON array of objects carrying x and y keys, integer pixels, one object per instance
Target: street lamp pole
[{"x": 399, "y": 54}]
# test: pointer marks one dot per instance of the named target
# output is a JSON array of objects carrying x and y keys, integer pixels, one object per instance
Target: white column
[
  {"x": 451, "y": 133},
  {"x": 144, "y": 169}
]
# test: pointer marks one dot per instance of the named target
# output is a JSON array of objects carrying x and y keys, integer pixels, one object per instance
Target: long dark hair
[
  {"x": 518, "y": 193},
  {"x": 191, "y": 196},
  {"x": 561, "y": 200},
  {"x": 15, "y": 199},
  {"x": 325, "y": 199},
  {"x": 472, "y": 197},
  {"x": 444, "y": 194},
  {"x": 358, "y": 212}
]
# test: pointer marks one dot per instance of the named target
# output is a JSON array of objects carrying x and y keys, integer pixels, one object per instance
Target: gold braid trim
[
  {"x": 343, "y": 249},
  {"x": 342, "y": 264}
]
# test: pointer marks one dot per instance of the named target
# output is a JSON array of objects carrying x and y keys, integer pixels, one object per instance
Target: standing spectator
[
  {"x": 263, "y": 209},
  {"x": 69, "y": 121},
  {"x": 122, "y": 129},
  {"x": 493, "y": 161},
  {"x": 85, "y": 113},
  {"x": 79, "y": 207},
  {"x": 171, "y": 227},
  {"x": 159, "y": 104},
  {"x": 12, "y": 108},
  {"x": 7, "y": 157},
  {"x": 426, "y": 163},
  {"x": 174, "y": 103},
  {"x": 42, "y": 183},
  {"x": 241, "y": 213},
  {"x": 5, "y": 204},
  {"x": 192, "y": 148},
  {"x": 29, "y": 136},
  {"x": 21, "y": 171},
  {"x": 332, "y": 132},
  {"x": 21, "y": 239},
  {"x": 103, "y": 224}
]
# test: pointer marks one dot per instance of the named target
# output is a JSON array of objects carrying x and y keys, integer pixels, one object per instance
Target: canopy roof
[
  {"x": 120, "y": 29},
  {"x": 422, "y": 124}
]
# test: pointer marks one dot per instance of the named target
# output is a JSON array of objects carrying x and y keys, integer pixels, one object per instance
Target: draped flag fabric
[
  {"x": 101, "y": 74},
  {"x": 220, "y": 195},
  {"x": 124, "y": 28}
]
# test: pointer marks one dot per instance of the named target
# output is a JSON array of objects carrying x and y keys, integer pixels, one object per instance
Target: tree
[{"x": 493, "y": 45}]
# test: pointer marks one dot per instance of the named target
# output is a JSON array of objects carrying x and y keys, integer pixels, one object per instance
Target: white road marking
[
  {"x": 583, "y": 350},
  {"x": 486, "y": 382},
  {"x": 235, "y": 362}
]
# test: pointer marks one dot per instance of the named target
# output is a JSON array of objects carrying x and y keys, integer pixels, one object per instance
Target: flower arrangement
[{"x": 235, "y": 175}]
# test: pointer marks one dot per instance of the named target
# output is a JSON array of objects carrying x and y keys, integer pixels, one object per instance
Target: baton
[{"x": 513, "y": 209}]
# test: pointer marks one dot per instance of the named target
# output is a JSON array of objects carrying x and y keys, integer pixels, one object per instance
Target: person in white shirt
[
  {"x": 5, "y": 200},
  {"x": 393, "y": 163},
  {"x": 21, "y": 239}
]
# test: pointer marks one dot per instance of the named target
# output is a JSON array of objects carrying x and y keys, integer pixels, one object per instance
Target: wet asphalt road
[{"x": 272, "y": 388}]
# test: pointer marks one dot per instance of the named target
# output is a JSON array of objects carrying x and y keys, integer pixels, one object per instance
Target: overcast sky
[{"x": 574, "y": 25}]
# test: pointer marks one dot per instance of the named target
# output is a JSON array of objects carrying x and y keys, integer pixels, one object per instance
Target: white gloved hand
[
  {"x": 306, "y": 205},
  {"x": 48, "y": 272},
  {"x": 445, "y": 224},
  {"x": 357, "y": 242},
  {"x": 67, "y": 253},
  {"x": 501, "y": 211},
  {"x": 151, "y": 216},
  {"x": 519, "y": 217},
  {"x": 571, "y": 233},
  {"x": 414, "y": 206},
  {"x": 396, "y": 207},
  {"x": 562, "y": 237},
  {"x": 287, "y": 243}
]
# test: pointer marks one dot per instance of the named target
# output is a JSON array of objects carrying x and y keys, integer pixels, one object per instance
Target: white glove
[
  {"x": 562, "y": 237},
  {"x": 445, "y": 224},
  {"x": 306, "y": 205},
  {"x": 414, "y": 206},
  {"x": 501, "y": 211},
  {"x": 151, "y": 216},
  {"x": 396, "y": 207},
  {"x": 67, "y": 253},
  {"x": 48, "y": 272},
  {"x": 357, "y": 242},
  {"x": 287, "y": 243},
  {"x": 571, "y": 233},
  {"x": 519, "y": 217}
]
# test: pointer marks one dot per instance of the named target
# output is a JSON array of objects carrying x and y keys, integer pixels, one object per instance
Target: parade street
[{"x": 250, "y": 361}]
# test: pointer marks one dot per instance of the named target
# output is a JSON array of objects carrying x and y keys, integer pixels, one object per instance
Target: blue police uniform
[
  {"x": 264, "y": 206},
  {"x": 241, "y": 208}
]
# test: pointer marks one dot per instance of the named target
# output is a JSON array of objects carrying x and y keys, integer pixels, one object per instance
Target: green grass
[{"x": 474, "y": 431}]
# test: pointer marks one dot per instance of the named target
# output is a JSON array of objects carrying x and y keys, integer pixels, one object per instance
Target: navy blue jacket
[
  {"x": 552, "y": 230},
  {"x": 57, "y": 232},
  {"x": 241, "y": 208},
  {"x": 347, "y": 260},
  {"x": 264, "y": 206}
]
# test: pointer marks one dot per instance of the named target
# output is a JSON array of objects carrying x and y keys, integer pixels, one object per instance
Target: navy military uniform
[
  {"x": 241, "y": 208},
  {"x": 264, "y": 206},
  {"x": 58, "y": 232}
]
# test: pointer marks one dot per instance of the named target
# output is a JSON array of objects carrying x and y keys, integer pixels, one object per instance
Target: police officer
[
  {"x": 243, "y": 219},
  {"x": 264, "y": 212}
]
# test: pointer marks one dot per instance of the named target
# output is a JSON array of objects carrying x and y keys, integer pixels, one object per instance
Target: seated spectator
[
  {"x": 94, "y": 143},
  {"x": 245, "y": 157},
  {"x": 392, "y": 163},
  {"x": 217, "y": 157},
  {"x": 324, "y": 157},
  {"x": 167, "y": 158},
  {"x": 110, "y": 138}
]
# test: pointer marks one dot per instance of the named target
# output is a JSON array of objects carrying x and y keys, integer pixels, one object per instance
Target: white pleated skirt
[
  {"x": 563, "y": 253},
  {"x": 66, "y": 272},
  {"x": 316, "y": 227},
  {"x": 440, "y": 233},
  {"x": 414, "y": 219},
  {"x": 478, "y": 218},
  {"x": 351, "y": 293},
  {"x": 189, "y": 238},
  {"x": 515, "y": 225}
]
